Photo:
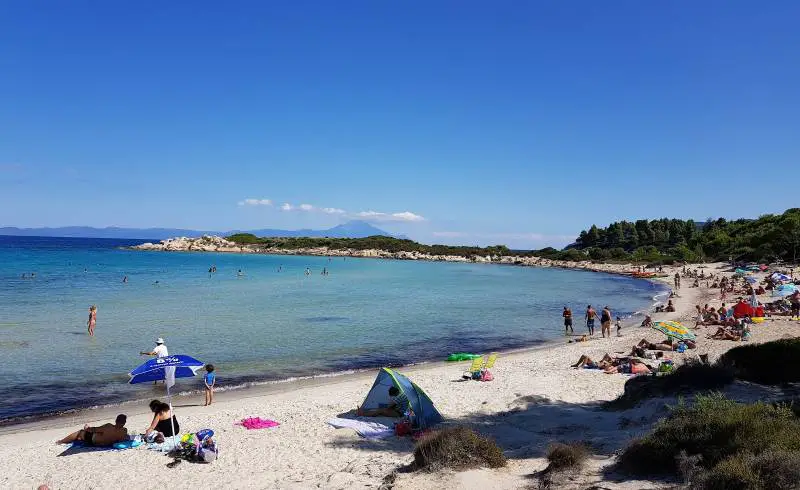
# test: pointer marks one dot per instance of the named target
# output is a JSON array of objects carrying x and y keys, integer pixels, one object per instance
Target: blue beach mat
[
  {"x": 78, "y": 447},
  {"x": 130, "y": 444}
]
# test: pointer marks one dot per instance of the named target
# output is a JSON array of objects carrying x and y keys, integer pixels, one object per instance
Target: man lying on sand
[
  {"x": 105, "y": 435},
  {"x": 666, "y": 345}
]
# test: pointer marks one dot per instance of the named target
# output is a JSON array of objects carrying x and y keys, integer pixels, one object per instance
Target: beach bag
[
  {"x": 199, "y": 447},
  {"x": 486, "y": 375},
  {"x": 207, "y": 452}
]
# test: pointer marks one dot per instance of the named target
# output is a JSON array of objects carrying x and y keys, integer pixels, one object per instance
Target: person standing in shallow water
[
  {"x": 591, "y": 315},
  {"x": 92, "y": 320},
  {"x": 567, "y": 314}
]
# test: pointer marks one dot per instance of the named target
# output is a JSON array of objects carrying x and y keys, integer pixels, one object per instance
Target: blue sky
[{"x": 517, "y": 122}]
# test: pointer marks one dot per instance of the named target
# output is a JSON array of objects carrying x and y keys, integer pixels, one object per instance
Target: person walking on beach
[
  {"x": 92, "y": 320},
  {"x": 209, "y": 379},
  {"x": 567, "y": 314},
  {"x": 590, "y": 317},
  {"x": 677, "y": 281},
  {"x": 605, "y": 322}
]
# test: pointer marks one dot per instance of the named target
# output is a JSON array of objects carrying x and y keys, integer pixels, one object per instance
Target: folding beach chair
[
  {"x": 490, "y": 362},
  {"x": 475, "y": 367}
]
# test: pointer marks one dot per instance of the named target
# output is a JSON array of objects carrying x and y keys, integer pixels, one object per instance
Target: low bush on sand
[
  {"x": 566, "y": 456},
  {"x": 687, "y": 378},
  {"x": 752, "y": 446},
  {"x": 457, "y": 448},
  {"x": 770, "y": 363}
]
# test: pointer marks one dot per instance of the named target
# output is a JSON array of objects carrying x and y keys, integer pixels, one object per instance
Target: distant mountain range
[{"x": 351, "y": 229}]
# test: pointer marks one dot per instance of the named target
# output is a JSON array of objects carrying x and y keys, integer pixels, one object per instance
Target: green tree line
[
  {"x": 767, "y": 238},
  {"x": 376, "y": 242}
]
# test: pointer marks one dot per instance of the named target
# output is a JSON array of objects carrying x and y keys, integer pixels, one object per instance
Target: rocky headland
[{"x": 209, "y": 243}]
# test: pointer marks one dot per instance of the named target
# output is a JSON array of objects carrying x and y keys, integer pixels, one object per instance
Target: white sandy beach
[{"x": 535, "y": 398}]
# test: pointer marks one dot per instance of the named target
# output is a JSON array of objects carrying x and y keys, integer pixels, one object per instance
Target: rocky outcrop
[{"x": 206, "y": 243}]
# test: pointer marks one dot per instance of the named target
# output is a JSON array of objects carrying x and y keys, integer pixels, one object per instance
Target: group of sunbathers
[
  {"x": 164, "y": 424},
  {"x": 611, "y": 365},
  {"x": 632, "y": 363}
]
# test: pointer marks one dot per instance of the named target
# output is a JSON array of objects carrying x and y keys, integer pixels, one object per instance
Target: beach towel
[
  {"x": 253, "y": 423},
  {"x": 369, "y": 430},
  {"x": 169, "y": 444}
]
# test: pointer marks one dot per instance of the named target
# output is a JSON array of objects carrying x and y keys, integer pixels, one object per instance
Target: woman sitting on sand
[
  {"x": 670, "y": 307},
  {"x": 163, "y": 421},
  {"x": 648, "y": 321},
  {"x": 699, "y": 319}
]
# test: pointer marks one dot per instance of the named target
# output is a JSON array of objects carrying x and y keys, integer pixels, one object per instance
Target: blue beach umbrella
[{"x": 166, "y": 369}]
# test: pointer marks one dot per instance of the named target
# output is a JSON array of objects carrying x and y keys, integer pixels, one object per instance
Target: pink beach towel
[{"x": 252, "y": 423}]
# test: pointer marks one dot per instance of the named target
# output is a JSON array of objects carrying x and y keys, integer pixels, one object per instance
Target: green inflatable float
[{"x": 462, "y": 356}]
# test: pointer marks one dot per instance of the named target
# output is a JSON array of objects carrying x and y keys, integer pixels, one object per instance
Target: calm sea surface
[{"x": 271, "y": 323}]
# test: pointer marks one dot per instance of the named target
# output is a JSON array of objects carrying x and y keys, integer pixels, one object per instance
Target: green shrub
[
  {"x": 566, "y": 456},
  {"x": 716, "y": 429},
  {"x": 769, "y": 363},
  {"x": 770, "y": 470},
  {"x": 733, "y": 473},
  {"x": 457, "y": 448},
  {"x": 244, "y": 238}
]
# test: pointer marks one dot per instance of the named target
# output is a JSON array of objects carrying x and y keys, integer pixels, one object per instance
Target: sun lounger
[
  {"x": 475, "y": 367},
  {"x": 490, "y": 362},
  {"x": 479, "y": 365}
]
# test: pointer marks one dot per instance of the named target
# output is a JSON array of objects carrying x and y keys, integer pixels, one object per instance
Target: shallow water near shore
[{"x": 272, "y": 322}]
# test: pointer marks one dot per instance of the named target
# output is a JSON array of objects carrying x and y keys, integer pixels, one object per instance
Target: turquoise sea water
[{"x": 264, "y": 325}]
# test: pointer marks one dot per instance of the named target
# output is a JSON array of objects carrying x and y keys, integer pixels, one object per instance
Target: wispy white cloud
[
  {"x": 255, "y": 202},
  {"x": 405, "y": 216},
  {"x": 374, "y": 216}
]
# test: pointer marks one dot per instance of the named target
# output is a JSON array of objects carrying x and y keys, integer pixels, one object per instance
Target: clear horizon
[{"x": 452, "y": 122}]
